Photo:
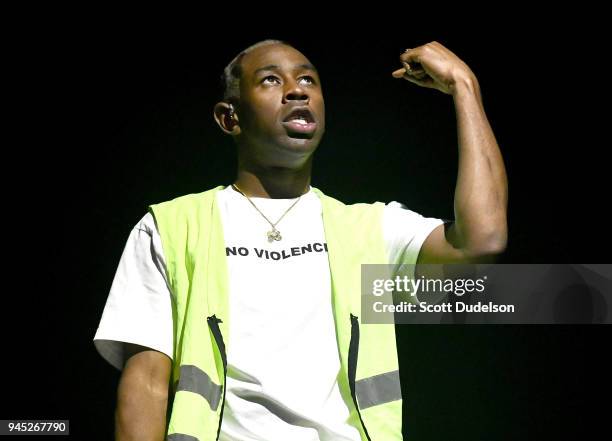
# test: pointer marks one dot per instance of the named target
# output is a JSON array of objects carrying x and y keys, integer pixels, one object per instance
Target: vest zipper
[
  {"x": 352, "y": 366},
  {"x": 213, "y": 323}
]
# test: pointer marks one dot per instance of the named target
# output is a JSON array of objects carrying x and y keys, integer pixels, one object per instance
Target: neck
[{"x": 274, "y": 182}]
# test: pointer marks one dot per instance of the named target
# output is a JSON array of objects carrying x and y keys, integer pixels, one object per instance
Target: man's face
[{"x": 282, "y": 113}]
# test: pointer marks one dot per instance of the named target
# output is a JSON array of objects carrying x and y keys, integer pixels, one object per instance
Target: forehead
[{"x": 285, "y": 57}]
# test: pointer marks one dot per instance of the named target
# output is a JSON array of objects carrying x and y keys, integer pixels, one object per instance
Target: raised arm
[
  {"x": 479, "y": 230},
  {"x": 142, "y": 397}
]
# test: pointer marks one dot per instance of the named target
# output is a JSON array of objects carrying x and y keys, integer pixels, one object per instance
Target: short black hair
[{"x": 230, "y": 79}]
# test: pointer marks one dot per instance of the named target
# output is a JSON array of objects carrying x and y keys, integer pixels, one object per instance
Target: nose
[{"x": 295, "y": 92}]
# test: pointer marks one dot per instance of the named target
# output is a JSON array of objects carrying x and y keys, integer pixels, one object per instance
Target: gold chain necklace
[{"x": 273, "y": 234}]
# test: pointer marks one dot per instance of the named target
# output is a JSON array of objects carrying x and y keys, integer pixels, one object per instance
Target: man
[{"x": 245, "y": 299}]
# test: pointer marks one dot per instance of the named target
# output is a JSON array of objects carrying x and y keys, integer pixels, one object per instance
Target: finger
[
  {"x": 420, "y": 79},
  {"x": 411, "y": 56},
  {"x": 414, "y": 66},
  {"x": 418, "y": 74},
  {"x": 406, "y": 71},
  {"x": 425, "y": 82},
  {"x": 399, "y": 73},
  {"x": 414, "y": 69}
]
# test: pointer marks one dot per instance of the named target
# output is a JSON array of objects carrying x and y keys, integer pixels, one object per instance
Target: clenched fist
[{"x": 433, "y": 65}]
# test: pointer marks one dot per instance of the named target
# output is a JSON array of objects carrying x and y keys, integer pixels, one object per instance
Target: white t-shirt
[{"x": 282, "y": 355}]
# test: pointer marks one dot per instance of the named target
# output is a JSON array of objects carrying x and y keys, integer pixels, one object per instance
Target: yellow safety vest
[{"x": 193, "y": 244}]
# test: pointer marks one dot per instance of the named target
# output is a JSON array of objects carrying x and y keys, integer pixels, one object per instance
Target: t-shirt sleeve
[
  {"x": 404, "y": 232},
  {"x": 139, "y": 306}
]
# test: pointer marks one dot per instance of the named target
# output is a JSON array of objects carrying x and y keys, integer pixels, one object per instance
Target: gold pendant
[{"x": 273, "y": 235}]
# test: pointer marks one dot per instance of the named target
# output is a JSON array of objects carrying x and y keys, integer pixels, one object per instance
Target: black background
[{"x": 113, "y": 117}]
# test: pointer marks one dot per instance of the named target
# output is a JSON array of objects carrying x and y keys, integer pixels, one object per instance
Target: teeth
[{"x": 300, "y": 121}]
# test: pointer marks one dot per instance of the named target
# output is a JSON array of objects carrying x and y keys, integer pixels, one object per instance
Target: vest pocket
[
  {"x": 352, "y": 366},
  {"x": 213, "y": 323}
]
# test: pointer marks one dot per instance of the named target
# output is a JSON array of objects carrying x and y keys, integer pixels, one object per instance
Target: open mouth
[{"x": 300, "y": 121}]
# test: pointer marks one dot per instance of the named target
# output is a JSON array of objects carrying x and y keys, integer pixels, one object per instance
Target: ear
[{"x": 227, "y": 120}]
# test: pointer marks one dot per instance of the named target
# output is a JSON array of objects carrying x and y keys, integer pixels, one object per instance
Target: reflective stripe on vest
[
  {"x": 378, "y": 389},
  {"x": 195, "y": 380},
  {"x": 181, "y": 437}
]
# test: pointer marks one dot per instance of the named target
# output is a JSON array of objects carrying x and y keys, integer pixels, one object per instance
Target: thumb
[{"x": 399, "y": 73}]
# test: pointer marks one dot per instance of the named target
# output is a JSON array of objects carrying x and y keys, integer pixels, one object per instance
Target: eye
[
  {"x": 308, "y": 79},
  {"x": 270, "y": 79}
]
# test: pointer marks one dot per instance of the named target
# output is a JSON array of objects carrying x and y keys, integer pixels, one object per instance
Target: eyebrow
[{"x": 305, "y": 66}]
